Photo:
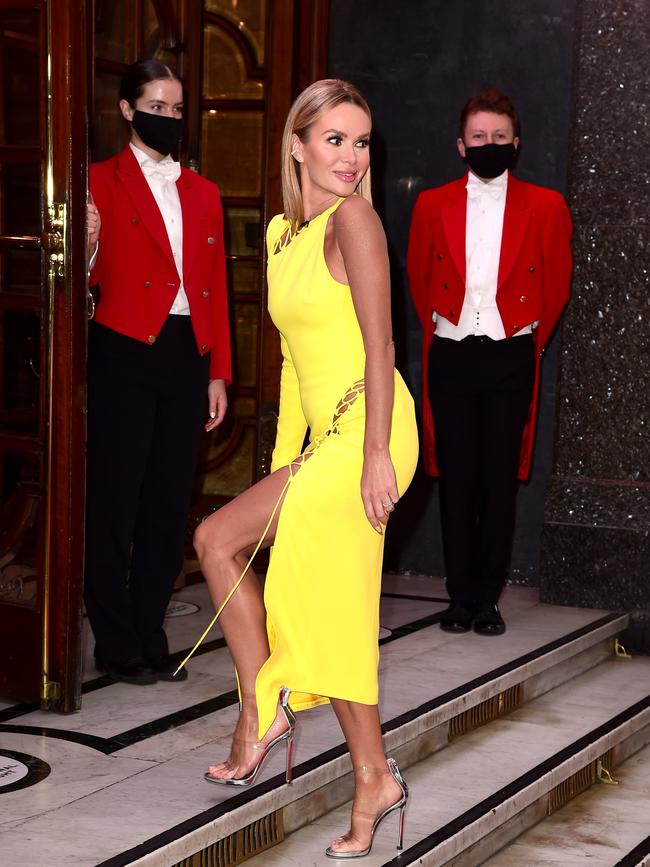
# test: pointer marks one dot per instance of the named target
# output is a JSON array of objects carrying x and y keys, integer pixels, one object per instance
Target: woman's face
[
  {"x": 162, "y": 96},
  {"x": 335, "y": 156}
]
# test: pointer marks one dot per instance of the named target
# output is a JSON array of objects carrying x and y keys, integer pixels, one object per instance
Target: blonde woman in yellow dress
[{"x": 313, "y": 636}]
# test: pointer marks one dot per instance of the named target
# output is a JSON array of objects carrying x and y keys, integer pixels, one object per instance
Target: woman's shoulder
[{"x": 355, "y": 214}]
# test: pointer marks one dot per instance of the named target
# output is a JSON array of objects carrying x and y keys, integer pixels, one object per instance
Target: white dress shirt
[
  {"x": 161, "y": 177},
  {"x": 486, "y": 203}
]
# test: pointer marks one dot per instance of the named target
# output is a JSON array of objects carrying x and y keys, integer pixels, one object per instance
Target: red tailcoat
[
  {"x": 135, "y": 266},
  {"x": 533, "y": 282}
]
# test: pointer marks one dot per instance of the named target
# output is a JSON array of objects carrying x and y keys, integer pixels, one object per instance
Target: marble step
[
  {"x": 134, "y": 759},
  {"x": 606, "y": 825},
  {"x": 485, "y": 789},
  {"x": 461, "y": 673}
]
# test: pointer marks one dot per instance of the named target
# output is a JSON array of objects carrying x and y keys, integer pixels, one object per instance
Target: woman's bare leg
[
  {"x": 223, "y": 543},
  {"x": 374, "y": 788}
]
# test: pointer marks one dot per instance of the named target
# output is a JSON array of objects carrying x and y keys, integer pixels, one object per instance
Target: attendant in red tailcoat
[
  {"x": 159, "y": 363},
  {"x": 489, "y": 266}
]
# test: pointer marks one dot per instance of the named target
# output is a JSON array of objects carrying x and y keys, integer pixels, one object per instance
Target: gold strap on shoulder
[{"x": 284, "y": 239}]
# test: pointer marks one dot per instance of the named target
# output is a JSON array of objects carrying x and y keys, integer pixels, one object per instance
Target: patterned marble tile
[{"x": 76, "y": 772}]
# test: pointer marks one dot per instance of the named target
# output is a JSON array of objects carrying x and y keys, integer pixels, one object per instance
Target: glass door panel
[
  {"x": 21, "y": 59},
  {"x": 20, "y": 272},
  {"x": 233, "y": 124},
  {"x": 248, "y": 16},
  {"x": 243, "y": 275},
  {"x": 114, "y": 38},
  {"x": 232, "y": 149},
  {"x": 225, "y": 74},
  {"x": 20, "y": 373},
  {"x": 21, "y": 528},
  {"x": 42, "y": 348}
]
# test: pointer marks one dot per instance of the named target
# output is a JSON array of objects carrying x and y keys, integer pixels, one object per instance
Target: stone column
[{"x": 596, "y": 541}]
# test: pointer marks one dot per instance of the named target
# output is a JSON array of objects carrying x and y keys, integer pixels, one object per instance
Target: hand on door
[{"x": 93, "y": 224}]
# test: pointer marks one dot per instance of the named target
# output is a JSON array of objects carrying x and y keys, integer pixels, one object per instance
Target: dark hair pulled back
[{"x": 141, "y": 73}]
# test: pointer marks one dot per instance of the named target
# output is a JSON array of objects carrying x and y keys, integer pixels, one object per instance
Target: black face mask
[
  {"x": 159, "y": 133},
  {"x": 490, "y": 160}
]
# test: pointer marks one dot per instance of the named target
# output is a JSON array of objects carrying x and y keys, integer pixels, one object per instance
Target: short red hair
[{"x": 491, "y": 100}]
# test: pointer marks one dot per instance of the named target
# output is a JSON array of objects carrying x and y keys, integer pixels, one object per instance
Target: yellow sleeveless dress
[{"x": 324, "y": 579}]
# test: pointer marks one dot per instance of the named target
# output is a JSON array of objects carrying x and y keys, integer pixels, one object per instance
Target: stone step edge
[
  {"x": 500, "y": 839},
  {"x": 467, "y": 830},
  {"x": 423, "y": 730},
  {"x": 444, "y": 707},
  {"x": 638, "y": 857}
]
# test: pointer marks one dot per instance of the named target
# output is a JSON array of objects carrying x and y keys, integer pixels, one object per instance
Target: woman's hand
[
  {"x": 217, "y": 403},
  {"x": 378, "y": 488},
  {"x": 93, "y": 225}
]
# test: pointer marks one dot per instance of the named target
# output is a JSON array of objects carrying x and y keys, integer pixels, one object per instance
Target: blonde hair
[{"x": 317, "y": 99}]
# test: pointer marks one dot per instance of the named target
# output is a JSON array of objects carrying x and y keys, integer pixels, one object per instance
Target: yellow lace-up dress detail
[{"x": 323, "y": 584}]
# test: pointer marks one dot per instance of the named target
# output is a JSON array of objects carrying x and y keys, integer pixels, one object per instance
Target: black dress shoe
[
  {"x": 488, "y": 621},
  {"x": 457, "y": 618},
  {"x": 164, "y": 667},
  {"x": 135, "y": 671}
]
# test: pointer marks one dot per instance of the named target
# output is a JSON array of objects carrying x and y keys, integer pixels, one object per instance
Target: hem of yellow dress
[
  {"x": 324, "y": 699},
  {"x": 306, "y": 705}
]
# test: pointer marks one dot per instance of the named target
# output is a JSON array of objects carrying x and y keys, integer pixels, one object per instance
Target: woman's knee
[{"x": 209, "y": 542}]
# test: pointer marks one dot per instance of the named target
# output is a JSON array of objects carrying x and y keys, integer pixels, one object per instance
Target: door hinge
[
  {"x": 50, "y": 690},
  {"x": 54, "y": 241}
]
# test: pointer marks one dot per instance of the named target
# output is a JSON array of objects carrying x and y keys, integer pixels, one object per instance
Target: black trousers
[
  {"x": 480, "y": 392},
  {"x": 146, "y": 405}
]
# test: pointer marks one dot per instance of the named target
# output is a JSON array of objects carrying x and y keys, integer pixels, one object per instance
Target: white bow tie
[
  {"x": 168, "y": 170},
  {"x": 476, "y": 190}
]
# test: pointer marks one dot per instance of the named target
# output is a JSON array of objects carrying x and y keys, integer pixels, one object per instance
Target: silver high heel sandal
[
  {"x": 265, "y": 749},
  {"x": 376, "y": 820}
]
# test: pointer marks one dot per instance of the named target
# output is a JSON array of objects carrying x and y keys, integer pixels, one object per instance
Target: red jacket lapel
[
  {"x": 454, "y": 215},
  {"x": 130, "y": 174},
  {"x": 515, "y": 223}
]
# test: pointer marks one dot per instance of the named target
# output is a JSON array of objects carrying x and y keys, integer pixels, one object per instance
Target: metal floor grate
[
  {"x": 576, "y": 784},
  {"x": 491, "y": 709},
  {"x": 240, "y": 845}
]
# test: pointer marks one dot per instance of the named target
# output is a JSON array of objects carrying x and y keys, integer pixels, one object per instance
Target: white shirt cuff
[{"x": 93, "y": 258}]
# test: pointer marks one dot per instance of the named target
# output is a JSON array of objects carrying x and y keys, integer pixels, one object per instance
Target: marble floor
[{"x": 128, "y": 766}]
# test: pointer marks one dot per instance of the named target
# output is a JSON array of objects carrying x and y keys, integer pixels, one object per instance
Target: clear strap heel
[
  {"x": 377, "y": 819},
  {"x": 264, "y": 750}
]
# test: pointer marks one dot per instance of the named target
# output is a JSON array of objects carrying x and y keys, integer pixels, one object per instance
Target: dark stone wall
[
  {"x": 596, "y": 535},
  {"x": 417, "y": 62}
]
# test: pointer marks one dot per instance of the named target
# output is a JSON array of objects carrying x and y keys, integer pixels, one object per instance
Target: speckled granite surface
[{"x": 596, "y": 541}]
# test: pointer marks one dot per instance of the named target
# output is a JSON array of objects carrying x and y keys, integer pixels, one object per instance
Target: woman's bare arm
[{"x": 359, "y": 236}]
